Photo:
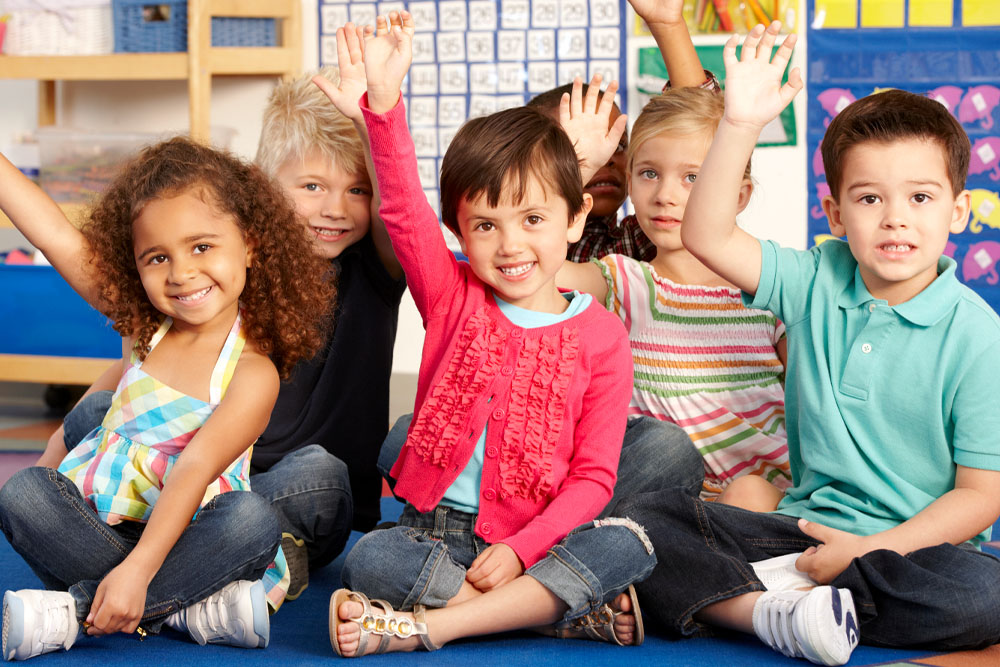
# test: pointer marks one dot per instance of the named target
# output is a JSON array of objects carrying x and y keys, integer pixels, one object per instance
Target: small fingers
[
  {"x": 593, "y": 91},
  {"x": 766, "y": 44},
  {"x": 576, "y": 97},
  {"x": 409, "y": 25},
  {"x": 729, "y": 50},
  {"x": 749, "y": 49},
  {"x": 381, "y": 25}
]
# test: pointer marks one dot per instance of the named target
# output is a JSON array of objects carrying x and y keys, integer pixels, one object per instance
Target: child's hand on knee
[
  {"x": 754, "y": 92},
  {"x": 496, "y": 566},
  {"x": 387, "y": 56}
]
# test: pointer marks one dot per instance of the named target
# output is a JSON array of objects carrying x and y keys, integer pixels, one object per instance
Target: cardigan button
[
  {"x": 486, "y": 528},
  {"x": 499, "y": 414},
  {"x": 492, "y": 452},
  {"x": 490, "y": 494},
  {"x": 517, "y": 333},
  {"x": 506, "y": 370}
]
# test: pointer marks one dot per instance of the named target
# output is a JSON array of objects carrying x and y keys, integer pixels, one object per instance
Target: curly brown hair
[{"x": 289, "y": 290}]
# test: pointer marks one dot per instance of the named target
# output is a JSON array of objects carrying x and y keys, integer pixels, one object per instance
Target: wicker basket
[
  {"x": 73, "y": 29},
  {"x": 142, "y": 27}
]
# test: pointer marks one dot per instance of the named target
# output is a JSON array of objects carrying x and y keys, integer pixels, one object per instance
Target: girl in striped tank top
[
  {"x": 198, "y": 260},
  {"x": 701, "y": 359}
]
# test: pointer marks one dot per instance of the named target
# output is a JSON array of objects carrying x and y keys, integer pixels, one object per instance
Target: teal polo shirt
[{"x": 881, "y": 401}]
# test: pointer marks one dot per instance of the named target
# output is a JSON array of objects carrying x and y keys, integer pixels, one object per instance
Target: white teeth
[
  {"x": 328, "y": 232},
  {"x": 897, "y": 248},
  {"x": 516, "y": 270},
  {"x": 604, "y": 184},
  {"x": 196, "y": 295}
]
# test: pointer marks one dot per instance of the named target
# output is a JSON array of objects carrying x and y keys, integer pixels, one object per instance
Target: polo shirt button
[
  {"x": 866, "y": 348},
  {"x": 486, "y": 529},
  {"x": 491, "y": 452},
  {"x": 517, "y": 333},
  {"x": 499, "y": 414},
  {"x": 489, "y": 494},
  {"x": 506, "y": 370},
  {"x": 871, "y": 307}
]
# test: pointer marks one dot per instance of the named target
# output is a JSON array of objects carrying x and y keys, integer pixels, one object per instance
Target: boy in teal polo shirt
[{"x": 893, "y": 373}]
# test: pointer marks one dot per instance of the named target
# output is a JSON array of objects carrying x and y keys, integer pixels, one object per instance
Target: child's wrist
[{"x": 381, "y": 101}]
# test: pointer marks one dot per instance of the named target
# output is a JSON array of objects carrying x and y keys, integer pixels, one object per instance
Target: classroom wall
[{"x": 777, "y": 210}]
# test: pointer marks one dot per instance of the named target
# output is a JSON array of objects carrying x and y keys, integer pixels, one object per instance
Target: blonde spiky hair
[{"x": 299, "y": 118}]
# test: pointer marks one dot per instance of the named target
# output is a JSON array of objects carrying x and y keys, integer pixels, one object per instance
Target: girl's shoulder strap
[
  {"x": 157, "y": 337},
  {"x": 226, "y": 364}
]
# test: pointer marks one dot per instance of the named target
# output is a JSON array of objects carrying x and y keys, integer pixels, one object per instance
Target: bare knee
[{"x": 751, "y": 492}]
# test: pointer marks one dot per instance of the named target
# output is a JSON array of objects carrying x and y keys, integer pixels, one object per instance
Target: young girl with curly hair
[{"x": 198, "y": 260}]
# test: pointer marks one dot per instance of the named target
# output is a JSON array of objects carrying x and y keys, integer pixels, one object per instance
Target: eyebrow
[
  {"x": 918, "y": 182},
  {"x": 189, "y": 239}
]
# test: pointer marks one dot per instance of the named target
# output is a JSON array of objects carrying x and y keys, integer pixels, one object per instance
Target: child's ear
[
  {"x": 746, "y": 189},
  {"x": 577, "y": 222},
  {"x": 832, "y": 210},
  {"x": 960, "y": 216}
]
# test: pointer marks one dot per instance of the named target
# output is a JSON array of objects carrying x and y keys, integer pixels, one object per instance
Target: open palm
[
  {"x": 347, "y": 91},
  {"x": 754, "y": 92},
  {"x": 387, "y": 56}
]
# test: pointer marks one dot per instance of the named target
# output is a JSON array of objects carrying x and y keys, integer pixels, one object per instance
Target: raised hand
[
  {"x": 666, "y": 12},
  {"x": 586, "y": 119},
  {"x": 754, "y": 93},
  {"x": 387, "y": 56},
  {"x": 346, "y": 93}
]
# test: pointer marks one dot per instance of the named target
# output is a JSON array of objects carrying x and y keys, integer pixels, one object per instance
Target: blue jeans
[
  {"x": 656, "y": 455},
  {"x": 47, "y": 521},
  {"x": 309, "y": 488},
  {"x": 424, "y": 558},
  {"x": 943, "y": 597}
]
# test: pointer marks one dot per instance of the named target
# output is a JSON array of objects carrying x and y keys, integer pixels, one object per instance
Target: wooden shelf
[{"x": 111, "y": 67}]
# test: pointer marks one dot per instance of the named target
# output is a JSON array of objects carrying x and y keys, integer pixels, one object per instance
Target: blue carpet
[{"x": 299, "y": 636}]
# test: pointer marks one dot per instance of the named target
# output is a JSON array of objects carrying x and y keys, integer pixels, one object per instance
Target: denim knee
[
  {"x": 19, "y": 498},
  {"x": 595, "y": 563},
  {"x": 403, "y": 566},
  {"x": 248, "y": 520}
]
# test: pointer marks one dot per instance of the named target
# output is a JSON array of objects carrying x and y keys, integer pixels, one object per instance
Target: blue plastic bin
[
  {"x": 142, "y": 26},
  {"x": 42, "y": 315}
]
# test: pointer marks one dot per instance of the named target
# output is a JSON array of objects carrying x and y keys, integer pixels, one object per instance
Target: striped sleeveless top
[{"x": 707, "y": 363}]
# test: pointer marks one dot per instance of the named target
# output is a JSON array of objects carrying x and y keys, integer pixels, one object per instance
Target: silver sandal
[
  {"x": 385, "y": 624},
  {"x": 600, "y": 624}
]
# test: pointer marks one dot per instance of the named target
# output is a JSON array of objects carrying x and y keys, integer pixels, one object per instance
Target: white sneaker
[
  {"x": 236, "y": 615},
  {"x": 37, "y": 622},
  {"x": 819, "y": 625},
  {"x": 780, "y": 574}
]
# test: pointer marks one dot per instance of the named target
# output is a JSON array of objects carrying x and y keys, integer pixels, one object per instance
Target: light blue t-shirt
[
  {"x": 881, "y": 401},
  {"x": 463, "y": 494}
]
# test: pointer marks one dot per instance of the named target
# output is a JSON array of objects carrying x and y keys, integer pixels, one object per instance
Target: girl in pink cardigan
[{"x": 522, "y": 394}]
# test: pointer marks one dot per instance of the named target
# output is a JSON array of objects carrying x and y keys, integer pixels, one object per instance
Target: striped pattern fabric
[
  {"x": 122, "y": 465},
  {"x": 707, "y": 363}
]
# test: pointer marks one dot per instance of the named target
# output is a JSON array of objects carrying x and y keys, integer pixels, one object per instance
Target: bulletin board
[
  {"x": 946, "y": 49},
  {"x": 474, "y": 57}
]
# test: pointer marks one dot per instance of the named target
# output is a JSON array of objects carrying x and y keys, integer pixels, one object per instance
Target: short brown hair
[
  {"x": 680, "y": 111},
  {"x": 299, "y": 118},
  {"x": 287, "y": 297},
  {"x": 495, "y": 152},
  {"x": 891, "y": 116}
]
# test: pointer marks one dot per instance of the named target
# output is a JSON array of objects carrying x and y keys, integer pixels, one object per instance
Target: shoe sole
[
  {"x": 261, "y": 620},
  {"x": 290, "y": 594},
  {"x": 848, "y": 618},
  {"x": 13, "y": 617}
]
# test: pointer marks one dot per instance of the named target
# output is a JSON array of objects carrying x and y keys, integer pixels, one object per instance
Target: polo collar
[{"x": 925, "y": 309}]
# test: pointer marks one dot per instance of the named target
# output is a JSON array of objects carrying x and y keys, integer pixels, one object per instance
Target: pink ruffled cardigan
[{"x": 553, "y": 399}]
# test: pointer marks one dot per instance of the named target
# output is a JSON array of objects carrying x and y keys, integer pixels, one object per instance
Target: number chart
[{"x": 474, "y": 57}]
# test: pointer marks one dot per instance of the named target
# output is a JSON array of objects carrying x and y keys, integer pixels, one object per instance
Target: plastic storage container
[
  {"x": 78, "y": 164},
  {"x": 144, "y": 27},
  {"x": 43, "y": 315},
  {"x": 64, "y": 28}
]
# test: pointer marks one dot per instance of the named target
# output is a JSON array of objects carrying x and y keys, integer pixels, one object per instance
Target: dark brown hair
[
  {"x": 287, "y": 294},
  {"x": 891, "y": 116},
  {"x": 500, "y": 151}
]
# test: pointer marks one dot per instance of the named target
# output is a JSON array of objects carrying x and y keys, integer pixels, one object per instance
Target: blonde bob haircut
[
  {"x": 300, "y": 118},
  {"x": 681, "y": 112}
]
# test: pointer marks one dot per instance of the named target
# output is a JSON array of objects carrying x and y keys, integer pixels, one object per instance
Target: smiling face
[
  {"x": 517, "y": 247},
  {"x": 664, "y": 170},
  {"x": 192, "y": 259},
  {"x": 897, "y": 208},
  {"x": 334, "y": 203}
]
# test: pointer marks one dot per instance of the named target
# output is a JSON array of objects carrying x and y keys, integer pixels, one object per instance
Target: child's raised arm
[
  {"x": 666, "y": 23},
  {"x": 346, "y": 95},
  {"x": 387, "y": 58},
  {"x": 754, "y": 97},
  {"x": 585, "y": 118},
  {"x": 46, "y": 227}
]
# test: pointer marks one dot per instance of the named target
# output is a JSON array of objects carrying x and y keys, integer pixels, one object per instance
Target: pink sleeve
[
  {"x": 597, "y": 442},
  {"x": 432, "y": 272}
]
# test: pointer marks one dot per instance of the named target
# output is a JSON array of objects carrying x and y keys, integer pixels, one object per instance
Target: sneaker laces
[{"x": 773, "y": 623}]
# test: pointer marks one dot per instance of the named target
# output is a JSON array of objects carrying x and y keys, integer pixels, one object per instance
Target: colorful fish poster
[{"x": 957, "y": 65}]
